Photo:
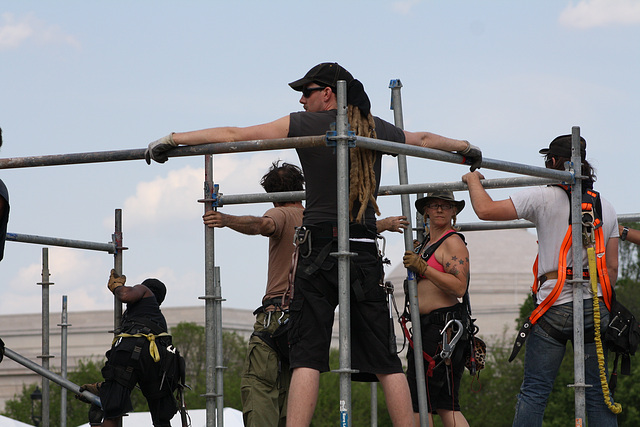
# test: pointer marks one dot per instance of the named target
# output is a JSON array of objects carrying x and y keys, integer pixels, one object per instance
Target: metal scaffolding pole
[
  {"x": 138, "y": 154},
  {"x": 577, "y": 281},
  {"x": 63, "y": 382},
  {"x": 45, "y": 356},
  {"x": 213, "y": 308},
  {"x": 117, "y": 265},
  {"x": 387, "y": 190},
  {"x": 343, "y": 254},
  {"x": 67, "y": 243},
  {"x": 396, "y": 106},
  {"x": 63, "y": 361}
]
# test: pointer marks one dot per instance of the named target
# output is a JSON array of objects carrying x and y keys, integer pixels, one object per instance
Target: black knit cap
[
  {"x": 561, "y": 147},
  {"x": 157, "y": 287},
  {"x": 328, "y": 74}
]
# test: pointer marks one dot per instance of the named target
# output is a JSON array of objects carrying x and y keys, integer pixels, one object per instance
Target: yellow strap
[
  {"x": 153, "y": 348},
  {"x": 616, "y": 408}
]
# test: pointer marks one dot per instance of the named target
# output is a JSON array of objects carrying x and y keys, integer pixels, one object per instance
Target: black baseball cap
[
  {"x": 561, "y": 147},
  {"x": 325, "y": 74}
]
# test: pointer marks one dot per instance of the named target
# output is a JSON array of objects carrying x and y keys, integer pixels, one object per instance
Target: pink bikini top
[{"x": 433, "y": 262}]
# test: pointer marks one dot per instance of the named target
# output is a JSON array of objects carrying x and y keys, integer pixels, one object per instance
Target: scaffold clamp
[
  {"x": 332, "y": 138},
  {"x": 214, "y": 198}
]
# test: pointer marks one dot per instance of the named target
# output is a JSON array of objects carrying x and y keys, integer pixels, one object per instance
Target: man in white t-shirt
[{"x": 548, "y": 208}]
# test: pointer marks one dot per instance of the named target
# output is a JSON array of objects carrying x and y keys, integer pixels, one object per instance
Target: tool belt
[
  {"x": 589, "y": 334},
  {"x": 275, "y": 337},
  {"x": 275, "y": 302},
  {"x": 441, "y": 316},
  {"x": 554, "y": 275},
  {"x": 312, "y": 237}
]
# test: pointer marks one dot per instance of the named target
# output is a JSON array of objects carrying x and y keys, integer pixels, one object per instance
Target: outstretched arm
[
  {"x": 273, "y": 130},
  {"x": 473, "y": 155},
  {"x": 392, "y": 223},
  {"x": 484, "y": 206},
  {"x": 245, "y": 224}
]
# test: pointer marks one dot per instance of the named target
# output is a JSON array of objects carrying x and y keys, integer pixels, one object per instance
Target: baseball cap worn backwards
[
  {"x": 561, "y": 146},
  {"x": 327, "y": 74}
]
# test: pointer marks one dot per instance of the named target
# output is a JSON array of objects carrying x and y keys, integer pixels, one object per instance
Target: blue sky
[{"x": 79, "y": 76}]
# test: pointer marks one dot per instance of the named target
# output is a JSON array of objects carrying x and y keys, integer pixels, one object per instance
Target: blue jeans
[{"x": 543, "y": 356}]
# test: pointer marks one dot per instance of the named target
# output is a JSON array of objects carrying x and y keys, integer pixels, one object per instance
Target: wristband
[{"x": 625, "y": 231}]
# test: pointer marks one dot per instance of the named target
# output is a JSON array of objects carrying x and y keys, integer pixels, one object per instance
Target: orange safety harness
[{"x": 591, "y": 218}]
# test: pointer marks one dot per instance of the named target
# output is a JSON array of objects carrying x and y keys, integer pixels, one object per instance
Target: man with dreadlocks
[{"x": 316, "y": 282}]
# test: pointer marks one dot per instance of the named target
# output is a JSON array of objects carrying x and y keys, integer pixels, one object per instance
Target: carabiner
[{"x": 449, "y": 346}]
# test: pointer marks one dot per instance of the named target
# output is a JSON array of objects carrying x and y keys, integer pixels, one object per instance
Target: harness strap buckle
[{"x": 300, "y": 237}]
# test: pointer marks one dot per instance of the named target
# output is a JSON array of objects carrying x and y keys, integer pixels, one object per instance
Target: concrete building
[{"x": 500, "y": 281}]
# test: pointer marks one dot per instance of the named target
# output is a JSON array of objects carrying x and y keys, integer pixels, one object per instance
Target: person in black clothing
[
  {"x": 315, "y": 298},
  {"x": 4, "y": 210},
  {"x": 139, "y": 355}
]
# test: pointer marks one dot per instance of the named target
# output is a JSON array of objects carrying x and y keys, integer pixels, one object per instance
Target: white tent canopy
[{"x": 9, "y": 422}]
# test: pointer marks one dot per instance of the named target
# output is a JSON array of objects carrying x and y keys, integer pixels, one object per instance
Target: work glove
[
  {"x": 157, "y": 149},
  {"x": 414, "y": 262},
  {"x": 115, "y": 281},
  {"x": 473, "y": 156},
  {"x": 93, "y": 388}
]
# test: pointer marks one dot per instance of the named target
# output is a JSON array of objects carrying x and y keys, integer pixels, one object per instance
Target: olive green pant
[{"x": 265, "y": 379}]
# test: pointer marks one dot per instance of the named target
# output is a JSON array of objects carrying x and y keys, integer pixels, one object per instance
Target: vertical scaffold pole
[
  {"x": 117, "y": 266},
  {"x": 577, "y": 281},
  {"x": 403, "y": 176},
  {"x": 63, "y": 361},
  {"x": 45, "y": 335},
  {"x": 343, "y": 254},
  {"x": 213, "y": 328}
]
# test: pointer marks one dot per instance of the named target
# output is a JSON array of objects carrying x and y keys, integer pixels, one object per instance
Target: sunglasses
[
  {"x": 307, "y": 91},
  {"x": 444, "y": 207}
]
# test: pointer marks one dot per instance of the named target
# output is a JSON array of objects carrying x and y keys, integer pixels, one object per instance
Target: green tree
[{"x": 189, "y": 339}]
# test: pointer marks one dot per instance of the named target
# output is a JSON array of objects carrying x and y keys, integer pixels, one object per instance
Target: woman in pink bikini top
[{"x": 442, "y": 277}]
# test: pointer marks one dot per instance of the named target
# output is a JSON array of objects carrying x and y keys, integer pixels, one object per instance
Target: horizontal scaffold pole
[
  {"x": 386, "y": 190},
  {"x": 182, "y": 151},
  {"x": 503, "y": 225},
  {"x": 278, "y": 144},
  {"x": 445, "y": 156},
  {"x": 68, "y": 243}
]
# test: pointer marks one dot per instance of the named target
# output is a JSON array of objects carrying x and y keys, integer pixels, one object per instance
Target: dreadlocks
[{"x": 362, "y": 178}]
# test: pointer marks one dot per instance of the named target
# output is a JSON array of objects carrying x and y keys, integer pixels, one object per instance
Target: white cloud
[
  {"x": 174, "y": 197},
  {"x": 405, "y": 6},
  {"x": 80, "y": 275},
  {"x": 169, "y": 198},
  {"x": 15, "y": 31},
  {"x": 600, "y": 13}
]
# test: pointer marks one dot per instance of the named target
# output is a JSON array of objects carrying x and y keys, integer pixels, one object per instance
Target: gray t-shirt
[{"x": 319, "y": 165}]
